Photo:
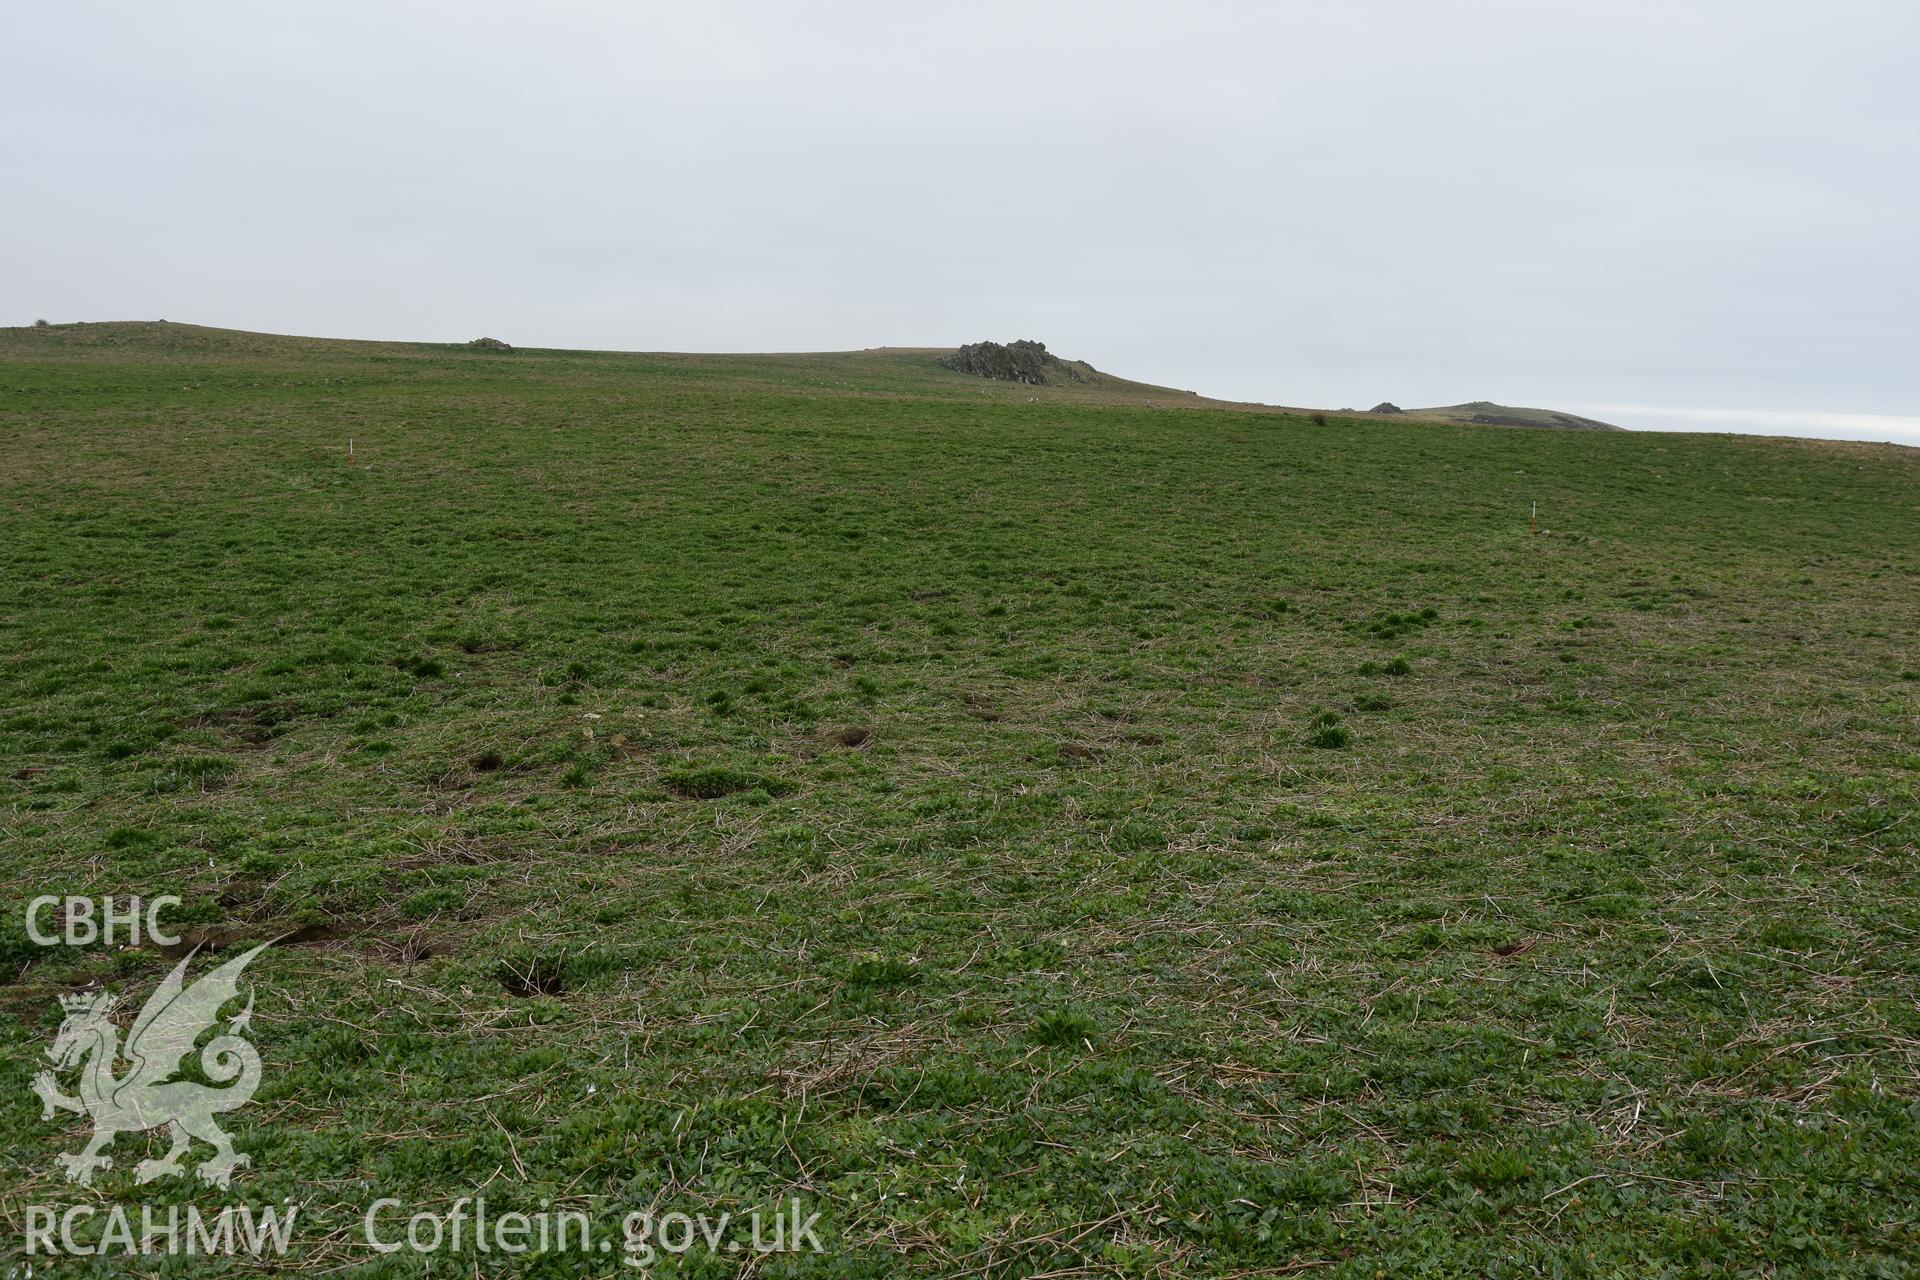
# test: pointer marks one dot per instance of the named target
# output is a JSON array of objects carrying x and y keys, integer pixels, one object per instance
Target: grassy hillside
[
  {"x": 138, "y": 356},
  {"x": 1488, "y": 414},
  {"x": 1048, "y": 830}
]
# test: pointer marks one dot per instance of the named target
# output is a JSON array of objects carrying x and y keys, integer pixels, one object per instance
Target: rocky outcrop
[
  {"x": 1022, "y": 361},
  {"x": 489, "y": 344},
  {"x": 1386, "y": 406}
]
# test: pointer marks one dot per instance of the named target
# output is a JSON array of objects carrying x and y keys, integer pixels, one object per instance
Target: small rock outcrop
[
  {"x": 1386, "y": 406},
  {"x": 489, "y": 344},
  {"x": 1022, "y": 361}
]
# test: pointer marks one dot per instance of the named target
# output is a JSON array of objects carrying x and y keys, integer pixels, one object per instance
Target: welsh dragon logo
[{"x": 147, "y": 1096}]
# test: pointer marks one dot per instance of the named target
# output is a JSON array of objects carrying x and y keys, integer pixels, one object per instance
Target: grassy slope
[
  {"x": 1506, "y": 415},
  {"x": 1592, "y": 950}
]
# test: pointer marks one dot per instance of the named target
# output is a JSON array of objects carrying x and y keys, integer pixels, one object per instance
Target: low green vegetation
[{"x": 1047, "y": 830}]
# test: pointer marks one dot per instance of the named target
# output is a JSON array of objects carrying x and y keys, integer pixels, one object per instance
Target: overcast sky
[{"x": 1688, "y": 214}]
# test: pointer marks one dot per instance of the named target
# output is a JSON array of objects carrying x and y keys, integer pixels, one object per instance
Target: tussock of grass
[
  {"x": 1326, "y": 732},
  {"x": 1064, "y": 1029}
]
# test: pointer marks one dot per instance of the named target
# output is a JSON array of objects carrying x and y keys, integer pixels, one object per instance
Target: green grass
[
  {"x": 1486, "y": 413},
  {"x": 707, "y": 780}
]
